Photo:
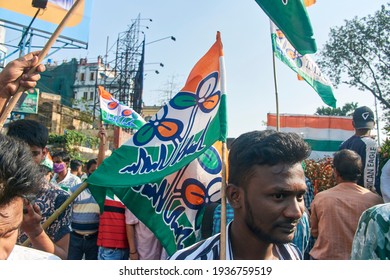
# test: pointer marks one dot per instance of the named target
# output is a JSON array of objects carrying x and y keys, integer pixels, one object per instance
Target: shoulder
[
  {"x": 289, "y": 251},
  {"x": 207, "y": 249},
  {"x": 25, "y": 253}
]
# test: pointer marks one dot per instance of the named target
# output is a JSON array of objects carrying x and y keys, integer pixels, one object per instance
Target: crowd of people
[{"x": 272, "y": 212}]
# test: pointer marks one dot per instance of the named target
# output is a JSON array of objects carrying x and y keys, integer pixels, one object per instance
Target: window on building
[
  {"x": 82, "y": 77},
  {"x": 92, "y": 76},
  {"x": 85, "y": 95},
  {"x": 91, "y": 94}
]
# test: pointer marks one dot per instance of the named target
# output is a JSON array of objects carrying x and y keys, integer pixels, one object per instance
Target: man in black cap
[{"x": 362, "y": 143}]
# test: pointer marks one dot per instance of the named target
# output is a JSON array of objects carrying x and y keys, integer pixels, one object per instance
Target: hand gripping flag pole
[{"x": 14, "y": 99}]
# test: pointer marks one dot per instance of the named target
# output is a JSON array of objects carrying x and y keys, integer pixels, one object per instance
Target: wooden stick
[
  {"x": 61, "y": 209},
  {"x": 14, "y": 99},
  {"x": 222, "y": 252}
]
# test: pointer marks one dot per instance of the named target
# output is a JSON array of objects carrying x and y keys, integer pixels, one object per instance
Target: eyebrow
[{"x": 11, "y": 229}]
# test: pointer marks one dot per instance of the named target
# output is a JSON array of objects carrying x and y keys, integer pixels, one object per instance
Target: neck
[
  {"x": 246, "y": 246},
  {"x": 62, "y": 175},
  {"x": 362, "y": 133}
]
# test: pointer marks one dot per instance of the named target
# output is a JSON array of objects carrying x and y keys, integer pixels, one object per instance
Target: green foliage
[
  {"x": 357, "y": 54},
  {"x": 384, "y": 153},
  {"x": 70, "y": 140},
  {"x": 346, "y": 110}
]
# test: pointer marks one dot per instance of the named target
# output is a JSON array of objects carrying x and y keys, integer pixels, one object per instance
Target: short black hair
[
  {"x": 19, "y": 174},
  {"x": 90, "y": 163},
  {"x": 29, "y": 131},
  {"x": 348, "y": 165},
  {"x": 75, "y": 164},
  {"x": 267, "y": 147},
  {"x": 64, "y": 156}
]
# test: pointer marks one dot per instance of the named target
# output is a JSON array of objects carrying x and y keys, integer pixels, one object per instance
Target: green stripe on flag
[{"x": 324, "y": 145}]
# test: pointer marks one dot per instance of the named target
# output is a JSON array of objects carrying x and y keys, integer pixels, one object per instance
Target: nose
[{"x": 294, "y": 210}]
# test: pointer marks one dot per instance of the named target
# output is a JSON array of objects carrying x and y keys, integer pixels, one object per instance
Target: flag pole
[
  {"x": 222, "y": 252},
  {"x": 61, "y": 209},
  {"x": 14, "y": 99},
  {"x": 275, "y": 85}
]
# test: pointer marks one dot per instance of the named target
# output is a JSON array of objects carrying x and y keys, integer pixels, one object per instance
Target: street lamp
[{"x": 169, "y": 37}]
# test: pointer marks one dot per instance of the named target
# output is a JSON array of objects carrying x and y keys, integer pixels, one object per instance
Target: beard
[{"x": 257, "y": 231}]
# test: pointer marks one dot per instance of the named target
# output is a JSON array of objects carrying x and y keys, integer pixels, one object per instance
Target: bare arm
[
  {"x": 130, "y": 233},
  {"x": 102, "y": 145}
]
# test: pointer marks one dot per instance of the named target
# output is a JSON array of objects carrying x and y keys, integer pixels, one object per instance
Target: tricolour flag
[
  {"x": 115, "y": 113},
  {"x": 178, "y": 134},
  {"x": 303, "y": 65},
  {"x": 291, "y": 17},
  {"x": 324, "y": 134}
]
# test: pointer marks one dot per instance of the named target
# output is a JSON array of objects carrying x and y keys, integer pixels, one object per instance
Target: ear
[
  {"x": 44, "y": 152},
  {"x": 234, "y": 195}
]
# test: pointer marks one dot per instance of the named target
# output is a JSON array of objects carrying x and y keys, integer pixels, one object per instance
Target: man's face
[
  {"x": 273, "y": 202},
  {"x": 38, "y": 154},
  {"x": 91, "y": 169},
  {"x": 11, "y": 216}
]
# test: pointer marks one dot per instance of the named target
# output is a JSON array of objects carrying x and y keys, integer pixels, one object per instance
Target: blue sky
[{"x": 245, "y": 35}]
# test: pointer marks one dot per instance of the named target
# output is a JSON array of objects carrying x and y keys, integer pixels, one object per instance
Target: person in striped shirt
[{"x": 266, "y": 189}]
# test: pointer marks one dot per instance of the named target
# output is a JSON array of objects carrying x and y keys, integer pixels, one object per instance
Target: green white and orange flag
[
  {"x": 115, "y": 113},
  {"x": 291, "y": 17},
  {"x": 181, "y": 132},
  {"x": 303, "y": 65},
  {"x": 324, "y": 134}
]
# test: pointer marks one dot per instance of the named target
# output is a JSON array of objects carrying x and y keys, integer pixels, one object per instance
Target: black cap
[{"x": 363, "y": 117}]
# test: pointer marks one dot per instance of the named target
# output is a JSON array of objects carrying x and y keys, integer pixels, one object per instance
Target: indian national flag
[{"x": 323, "y": 133}]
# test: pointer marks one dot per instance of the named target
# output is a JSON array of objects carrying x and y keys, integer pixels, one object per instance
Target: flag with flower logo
[
  {"x": 292, "y": 18},
  {"x": 115, "y": 113},
  {"x": 303, "y": 65},
  {"x": 180, "y": 133}
]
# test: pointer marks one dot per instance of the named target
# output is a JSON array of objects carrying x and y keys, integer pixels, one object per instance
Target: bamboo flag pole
[
  {"x": 222, "y": 252},
  {"x": 275, "y": 85},
  {"x": 14, "y": 99},
  {"x": 61, "y": 209}
]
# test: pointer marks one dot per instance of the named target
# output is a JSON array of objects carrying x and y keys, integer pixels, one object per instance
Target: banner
[
  {"x": 303, "y": 65},
  {"x": 324, "y": 134},
  {"x": 291, "y": 17},
  {"x": 117, "y": 114}
]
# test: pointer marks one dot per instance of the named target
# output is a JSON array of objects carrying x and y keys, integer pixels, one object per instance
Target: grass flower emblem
[
  {"x": 165, "y": 129},
  {"x": 206, "y": 97}
]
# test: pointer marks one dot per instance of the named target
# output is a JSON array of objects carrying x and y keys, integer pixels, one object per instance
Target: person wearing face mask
[{"x": 63, "y": 177}]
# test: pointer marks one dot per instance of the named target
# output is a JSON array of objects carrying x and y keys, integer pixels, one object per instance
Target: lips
[{"x": 288, "y": 227}]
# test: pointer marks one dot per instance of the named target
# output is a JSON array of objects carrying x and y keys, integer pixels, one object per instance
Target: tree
[
  {"x": 346, "y": 110},
  {"x": 358, "y": 54}
]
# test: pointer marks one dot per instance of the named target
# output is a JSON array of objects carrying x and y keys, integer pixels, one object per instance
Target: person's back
[
  {"x": 146, "y": 245},
  {"x": 367, "y": 148},
  {"x": 372, "y": 237},
  {"x": 112, "y": 239},
  {"x": 85, "y": 222},
  {"x": 335, "y": 212}
]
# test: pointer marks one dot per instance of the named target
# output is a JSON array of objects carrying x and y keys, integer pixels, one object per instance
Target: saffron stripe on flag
[{"x": 313, "y": 121}]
